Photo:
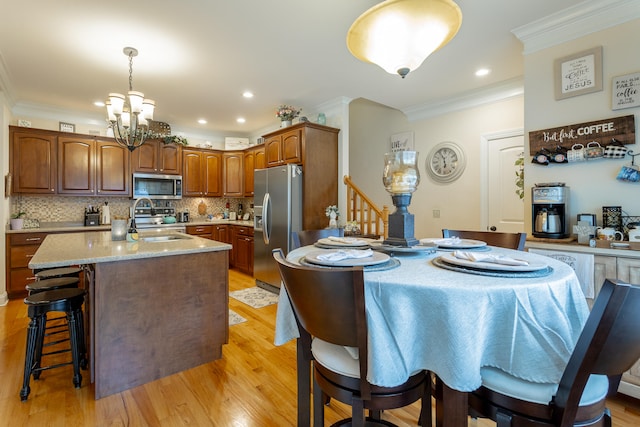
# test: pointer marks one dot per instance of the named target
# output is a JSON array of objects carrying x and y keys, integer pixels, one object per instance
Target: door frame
[{"x": 485, "y": 140}]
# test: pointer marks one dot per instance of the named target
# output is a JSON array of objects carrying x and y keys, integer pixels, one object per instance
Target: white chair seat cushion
[
  {"x": 498, "y": 380},
  {"x": 335, "y": 358}
]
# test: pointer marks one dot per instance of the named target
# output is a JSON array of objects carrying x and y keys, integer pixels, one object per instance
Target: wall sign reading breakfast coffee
[{"x": 603, "y": 132}]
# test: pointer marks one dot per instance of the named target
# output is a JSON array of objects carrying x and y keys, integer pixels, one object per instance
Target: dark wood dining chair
[
  {"x": 329, "y": 307},
  {"x": 608, "y": 346},
  {"x": 493, "y": 238},
  {"x": 309, "y": 237}
]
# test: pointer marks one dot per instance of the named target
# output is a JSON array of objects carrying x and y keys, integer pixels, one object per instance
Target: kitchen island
[{"x": 155, "y": 307}]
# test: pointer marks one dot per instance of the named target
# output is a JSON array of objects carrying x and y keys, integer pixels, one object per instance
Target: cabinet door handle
[
  {"x": 29, "y": 256},
  {"x": 33, "y": 239}
]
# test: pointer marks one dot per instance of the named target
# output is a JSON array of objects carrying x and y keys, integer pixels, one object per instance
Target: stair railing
[{"x": 370, "y": 219}]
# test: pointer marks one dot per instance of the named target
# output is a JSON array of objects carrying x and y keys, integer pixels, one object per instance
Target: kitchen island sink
[
  {"x": 154, "y": 307},
  {"x": 166, "y": 238}
]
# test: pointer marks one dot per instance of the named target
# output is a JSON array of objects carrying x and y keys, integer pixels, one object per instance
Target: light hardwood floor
[{"x": 254, "y": 384}]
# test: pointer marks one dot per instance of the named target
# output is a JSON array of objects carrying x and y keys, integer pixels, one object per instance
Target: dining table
[{"x": 452, "y": 320}]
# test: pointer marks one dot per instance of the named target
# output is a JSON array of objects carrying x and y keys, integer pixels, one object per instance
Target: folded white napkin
[
  {"x": 441, "y": 241},
  {"x": 483, "y": 257},
  {"x": 345, "y": 254},
  {"x": 347, "y": 240}
]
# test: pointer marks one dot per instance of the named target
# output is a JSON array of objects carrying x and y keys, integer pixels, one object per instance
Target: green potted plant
[{"x": 17, "y": 220}]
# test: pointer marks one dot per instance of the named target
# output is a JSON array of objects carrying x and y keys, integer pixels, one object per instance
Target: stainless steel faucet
[{"x": 135, "y": 206}]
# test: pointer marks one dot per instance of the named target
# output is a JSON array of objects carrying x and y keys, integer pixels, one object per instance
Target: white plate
[
  {"x": 463, "y": 244},
  {"x": 376, "y": 258},
  {"x": 450, "y": 259},
  {"x": 338, "y": 244}
]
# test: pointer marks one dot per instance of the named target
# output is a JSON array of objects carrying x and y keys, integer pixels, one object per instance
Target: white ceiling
[{"x": 198, "y": 56}]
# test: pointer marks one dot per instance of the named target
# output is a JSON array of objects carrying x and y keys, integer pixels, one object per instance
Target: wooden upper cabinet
[
  {"x": 201, "y": 173},
  {"x": 112, "y": 169},
  {"x": 273, "y": 151},
  {"x": 76, "y": 167},
  {"x": 213, "y": 173},
  {"x": 33, "y": 161},
  {"x": 233, "y": 173},
  {"x": 285, "y": 147},
  {"x": 292, "y": 146},
  {"x": 90, "y": 167},
  {"x": 154, "y": 156},
  {"x": 192, "y": 173},
  {"x": 249, "y": 166},
  {"x": 260, "y": 160}
]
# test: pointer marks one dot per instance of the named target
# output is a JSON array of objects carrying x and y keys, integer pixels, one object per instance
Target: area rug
[
  {"x": 235, "y": 318},
  {"x": 255, "y": 297}
]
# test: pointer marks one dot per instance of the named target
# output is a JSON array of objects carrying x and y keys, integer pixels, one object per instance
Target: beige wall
[
  {"x": 371, "y": 126},
  {"x": 592, "y": 184}
]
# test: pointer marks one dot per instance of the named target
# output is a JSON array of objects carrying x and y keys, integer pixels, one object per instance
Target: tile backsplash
[{"x": 71, "y": 209}]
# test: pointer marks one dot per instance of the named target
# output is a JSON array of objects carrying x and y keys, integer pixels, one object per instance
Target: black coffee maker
[{"x": 550, "y": 209}]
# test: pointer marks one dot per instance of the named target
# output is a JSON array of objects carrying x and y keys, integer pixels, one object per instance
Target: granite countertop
[
  {"x": 603, "y": 247},
  {"x": 57, "y": 227},
  {"x": 93, "y": 247}
]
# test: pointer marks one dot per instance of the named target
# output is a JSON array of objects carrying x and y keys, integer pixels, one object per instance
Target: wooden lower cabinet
[
  {"x": 20, "y": 248},
  {"x": 243, "y": 249},
  {"x": 627, "y": 270}
]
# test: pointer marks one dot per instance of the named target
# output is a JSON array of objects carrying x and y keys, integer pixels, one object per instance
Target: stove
[{"x": 148, "y": 218}]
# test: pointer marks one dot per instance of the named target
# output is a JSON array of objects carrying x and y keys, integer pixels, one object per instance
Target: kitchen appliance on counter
[
  {"x": 549, "y": 209},
  {"x": 91, "y": 216},
  {"x": 277, "y": 213}
]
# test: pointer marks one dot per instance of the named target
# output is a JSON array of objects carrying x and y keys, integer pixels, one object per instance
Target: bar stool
[
  {"x": 58, "y": 272},
  {"x": 52, "y": 284},
  {"x": 69, "y": 301}
]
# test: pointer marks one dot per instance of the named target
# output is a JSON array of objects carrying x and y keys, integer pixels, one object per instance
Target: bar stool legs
[{"x": 70, "y": 302}]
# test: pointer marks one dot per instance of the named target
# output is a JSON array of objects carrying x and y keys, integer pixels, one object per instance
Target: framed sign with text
[
  {"x": 402, "y": 142},
  {"x": 625, "y": 91},
  {"x": 578, "y": 74}
]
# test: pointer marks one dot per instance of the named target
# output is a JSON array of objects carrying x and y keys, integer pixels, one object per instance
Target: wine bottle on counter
[{"x": 132, "y": 232}]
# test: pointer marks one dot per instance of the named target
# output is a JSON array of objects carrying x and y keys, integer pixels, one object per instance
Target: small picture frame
[
  {"x": 67, "y": 127},
  {"x": 578, "y": 74},
  {"x": 625, "y": 91},
  {"x": 402, "y": 142}
]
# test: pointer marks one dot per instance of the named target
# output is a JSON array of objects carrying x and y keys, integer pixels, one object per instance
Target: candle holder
[{"x": 401, "y": 178}]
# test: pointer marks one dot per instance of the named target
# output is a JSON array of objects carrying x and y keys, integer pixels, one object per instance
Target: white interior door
[{"x": 503, "y": 209}]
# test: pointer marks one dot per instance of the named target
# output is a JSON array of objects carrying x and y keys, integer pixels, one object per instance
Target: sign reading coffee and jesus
[{"x": 622, "y": 129}]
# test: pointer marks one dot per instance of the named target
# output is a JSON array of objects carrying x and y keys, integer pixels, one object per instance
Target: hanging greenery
[{"x": 519, "y": 163}]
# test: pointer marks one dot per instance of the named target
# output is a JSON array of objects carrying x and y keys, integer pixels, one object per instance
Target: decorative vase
[
  {"x": 285, "y": 123},
  {"x": 332, "y": 220},
  {"x": 16, "y": 223}
]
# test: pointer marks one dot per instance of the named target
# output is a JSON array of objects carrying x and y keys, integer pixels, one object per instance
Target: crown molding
[
  {"x": 577, "y": 21},
  {"x": 487, "y": 95}
]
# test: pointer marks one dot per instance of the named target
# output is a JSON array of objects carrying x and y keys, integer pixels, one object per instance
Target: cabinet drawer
[
  {"x": 244, "y": 231},
  {"x": 21, "y": 255},
  {"x": 20, "y": 278},
  {"x": 27, "y": 238},
  {"x": 199, "y": 229}
]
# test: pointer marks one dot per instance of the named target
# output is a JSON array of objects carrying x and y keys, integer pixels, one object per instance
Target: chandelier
[
  {"x": 129, "y": 118},
  {"x": 398, "y": 35}
]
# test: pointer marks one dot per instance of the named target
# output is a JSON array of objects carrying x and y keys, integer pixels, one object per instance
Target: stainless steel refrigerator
[{"x": 277, "y": 204}]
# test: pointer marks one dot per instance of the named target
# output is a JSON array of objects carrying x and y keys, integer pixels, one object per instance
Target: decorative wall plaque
[
  {"x": 623, "y": 129},
  {"x": 625, "y": 91}
]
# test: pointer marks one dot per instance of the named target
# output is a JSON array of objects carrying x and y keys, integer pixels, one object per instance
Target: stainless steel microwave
[{"x": 157, "y": 186}]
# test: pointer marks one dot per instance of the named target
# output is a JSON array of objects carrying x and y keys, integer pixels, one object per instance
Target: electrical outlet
[{"x": 436, "y": 213}]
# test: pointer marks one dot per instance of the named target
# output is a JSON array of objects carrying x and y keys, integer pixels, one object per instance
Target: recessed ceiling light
[
  {"x": 240, "y": 120},
  {"x": 482, "y": 72},
  {"x": 247, "y": 94},
  {"x": 202, "y": 121},
  {"x": 99, "y": 104}
]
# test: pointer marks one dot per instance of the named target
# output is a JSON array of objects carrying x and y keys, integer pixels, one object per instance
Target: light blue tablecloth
[{"x": 452, "y": 323}]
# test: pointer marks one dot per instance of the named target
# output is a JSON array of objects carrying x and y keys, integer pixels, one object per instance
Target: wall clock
[{"x": 445, "y": 162}]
